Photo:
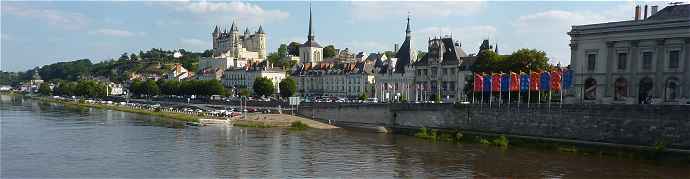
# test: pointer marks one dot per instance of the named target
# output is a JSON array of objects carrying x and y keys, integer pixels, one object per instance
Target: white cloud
[
  {"x": 372, "y": 11},
  {"x": 470, "y": 37},
  {"x": 228, "y": 11},
  {"x": 547, "y": 30},
  {"x": 115, "y": 32},
  {"x": 194, "y": 44},
  {"x": 66, "y": 20}
]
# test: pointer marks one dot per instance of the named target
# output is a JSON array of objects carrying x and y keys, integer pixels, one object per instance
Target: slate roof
[
  {"x": 672, "y": 12},
  {"x": 451, "y": 55}
]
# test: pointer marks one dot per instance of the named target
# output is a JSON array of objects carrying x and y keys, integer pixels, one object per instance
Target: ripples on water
[{"x": 48, "y": 140}]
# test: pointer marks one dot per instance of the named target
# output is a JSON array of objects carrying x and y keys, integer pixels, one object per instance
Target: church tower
[
  {"x": 310, "y": 51},
  {"x": 406, "y": 54}
]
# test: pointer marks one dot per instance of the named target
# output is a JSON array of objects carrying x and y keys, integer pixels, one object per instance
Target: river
[{"x": 46, "y": 140}]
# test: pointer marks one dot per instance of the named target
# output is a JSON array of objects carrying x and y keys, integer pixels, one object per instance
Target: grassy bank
[
  {"x": 171, "y": 115},
  {"x": 658, "y": 153}
]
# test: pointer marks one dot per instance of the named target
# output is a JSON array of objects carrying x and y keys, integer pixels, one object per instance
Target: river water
[{"x": 45, "y": 140}]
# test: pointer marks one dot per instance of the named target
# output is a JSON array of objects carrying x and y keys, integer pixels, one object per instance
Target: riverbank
[{"x": 254, "y": 120}]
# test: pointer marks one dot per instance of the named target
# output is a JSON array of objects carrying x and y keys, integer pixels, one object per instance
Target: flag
[
  {"x": 487, "y": 83},
  {"x": 568, "y": 79},
  {"x": 478, "y": 82},
  {"x": 524, "y": 82},
  {"x": 544, "y": 81},
  {"x": 505, "y": 81},
  {"x": 534, "y": 81},
  {"x": 496, "y": 82},
  {"x": 556, "y": 80},
  {"x": 514, "y": 82}
]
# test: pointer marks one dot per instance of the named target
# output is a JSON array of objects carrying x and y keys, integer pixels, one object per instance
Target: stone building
[
  {"x": 639, "y": 61},
  {"x": 346, "y": 80},
  {"x": 395, "y": 77},
  {"x": 177, "y": 72},
  {"x": 442, "y": 71},
  {"x": 232, "y": 49}
]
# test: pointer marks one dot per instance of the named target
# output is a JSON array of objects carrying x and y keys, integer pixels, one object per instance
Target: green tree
[
  {"x": 44, "y": 89},
  {"x": 263, "y": 87},
  {"x": 293, "y": 48},
  {"x": 420, "y": 54},
  {"x": 137, "y": 87},
  {"x": 124, "y": 57},
  {"x": 527, "y": 60},
  {"x": 288, "y": 87},
  {"x": 363, "y": 97},
  {"x": 245, "y": 92},
  {"x": 214, "y": 87},
  {"x": 487, "y": 61},
  {"x": 282, "y": 50},
  {"x": 133, "y": 57},
  {"x": 437, "y": 98},
  {"x": 151, "y": 88},
  {"x": 329, "y": 51},
  {"x": 90, "y": 88}
]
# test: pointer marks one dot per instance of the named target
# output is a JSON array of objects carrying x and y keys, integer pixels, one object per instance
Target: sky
[{"x": 40, "y": 33}]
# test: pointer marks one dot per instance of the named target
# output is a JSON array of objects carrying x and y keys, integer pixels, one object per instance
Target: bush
[
  {"x": 501, "y": 141},
  {"x": 298, "y": 126}
]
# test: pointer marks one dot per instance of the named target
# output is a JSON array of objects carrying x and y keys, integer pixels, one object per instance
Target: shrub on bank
[{"x": 298, "y": 126}]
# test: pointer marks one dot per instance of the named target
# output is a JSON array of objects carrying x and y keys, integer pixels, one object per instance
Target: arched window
[
  {"x": 621, "y": 89},
  {"x": 590, "y": 89},
  {"x": 645, "y": 93},
  {"x": 672, "y": 89}
]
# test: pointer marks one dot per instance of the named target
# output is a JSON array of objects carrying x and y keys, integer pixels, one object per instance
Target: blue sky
[{"x": 40, "y": 33}]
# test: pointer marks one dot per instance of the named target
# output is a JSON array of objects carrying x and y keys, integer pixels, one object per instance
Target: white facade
[
  {"x": 633, "y": 62},
  {"x": 241, "y": 78},
  {"x": 178, "y": 73}
]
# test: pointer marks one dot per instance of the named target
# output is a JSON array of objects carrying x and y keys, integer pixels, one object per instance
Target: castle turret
[{"x": 261, "y": 42}]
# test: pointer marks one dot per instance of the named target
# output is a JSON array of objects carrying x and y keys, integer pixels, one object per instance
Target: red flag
[
  {"x": 496, "y": 82},
  {"x": 478, "y": 82},
  {"x": 556, "y": 80},
  {"x": 534, "y": 81},
  {"x": 514, "y": 82}
]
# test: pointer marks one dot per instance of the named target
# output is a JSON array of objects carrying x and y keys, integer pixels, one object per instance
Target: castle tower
[
  {"x": 406, "y": 54},
  {"x": 310, "y": 51},
  {"x": 261, "y": 42}
]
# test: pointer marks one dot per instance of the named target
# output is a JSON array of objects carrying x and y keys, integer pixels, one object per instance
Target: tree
[
  {"x": 487, "y": 61},
  {"x": 329, "y": 51},
  {"x": 437, "y": 98},
  {"x": 137, "y": 87},
  {"x": 288, "y": 87},
  {"x": 90, "y": 88},
  {"x": 527, "y": 60},
  {"x": 133, "y": 57},
  {"x": 263, "y": 87},
  {"x": 44, "y": 89},
  {"x": 124, "y": 57},
  {"x": 282, "y": 51},
  {"x": 151, "y": 88},
  {"x": 214, "y": 87},
  {"x": 245, "y": 92},
  {"x": 420, "y": 54},
  {"x": 363, "y": 97},
  {"x": 293, "y": 48}
]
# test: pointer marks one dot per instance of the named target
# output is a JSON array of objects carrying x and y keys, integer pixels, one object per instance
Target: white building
[
  {"x": 233, "y": 50},
  {"x": 346, "y": 80},
  {"x": 395, "y": 76},
  {"x": 178, "y": 73},
  {"x": 115, "y": 89},
  {"x": 640, "y": 61},
  {"x": 238, "y": 78}
]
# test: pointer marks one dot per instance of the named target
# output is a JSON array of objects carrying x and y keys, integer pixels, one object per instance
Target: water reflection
[{"x": 46, "y": 140}]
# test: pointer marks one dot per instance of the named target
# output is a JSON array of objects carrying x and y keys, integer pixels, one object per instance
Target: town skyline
[{"x": 67, "y": 31}]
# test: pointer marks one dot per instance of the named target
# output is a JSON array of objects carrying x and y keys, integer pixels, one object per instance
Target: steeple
[
  {"x": 310, "y": 36},
  {"x": 261, "y": 30},
  {"x": 407, "y": 30}
]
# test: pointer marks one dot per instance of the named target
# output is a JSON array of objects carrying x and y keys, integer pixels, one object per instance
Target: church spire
[
  {"x": 310, "y": 36},
  {"x": 407, "y": 30}
]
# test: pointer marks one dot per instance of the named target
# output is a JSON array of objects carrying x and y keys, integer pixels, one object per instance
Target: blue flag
[
  {"x": 568, "y": 79},
  {"x": 524, "y": 82},
  {"x": 487, "y": 83},
  {"x": 545, "y": 81},
  {"x": 505, "y": 80}
]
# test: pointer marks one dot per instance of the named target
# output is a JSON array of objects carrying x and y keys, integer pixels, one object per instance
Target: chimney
[
  {"x": 645, "y": 12},
  {"x": 637, "y": 12},
  {"x": 654, "y": 10}
]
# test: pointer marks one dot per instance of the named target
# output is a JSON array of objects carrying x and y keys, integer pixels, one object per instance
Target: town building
[
  {"x": 640, "y": 61},
  {"x": 177, "y": 72},
  {"x": 346, "y": 80},
  {"x": 442, "y": 71},
  {"x": 115, "y": 89},
  {"x": 238, "y": 78},
  {"x": 395, "y": 76}
]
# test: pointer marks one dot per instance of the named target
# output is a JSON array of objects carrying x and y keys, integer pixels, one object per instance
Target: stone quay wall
[{"x": 618, "y": 124}]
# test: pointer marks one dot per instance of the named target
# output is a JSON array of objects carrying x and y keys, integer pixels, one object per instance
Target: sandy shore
[{"x": 268, "y": 120}]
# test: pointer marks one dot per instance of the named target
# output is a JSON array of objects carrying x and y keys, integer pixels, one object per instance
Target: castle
[{"x": 232, "y": 44}]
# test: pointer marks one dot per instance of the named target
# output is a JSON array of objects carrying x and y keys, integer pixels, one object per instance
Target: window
[
  {"x": 647, "y": 60},
  {"x": 591, "y": 62},
  {"x": 673, "y": 59},
  {"x": 622, "y": 59},
  {"x": 445, "y": 71}
]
